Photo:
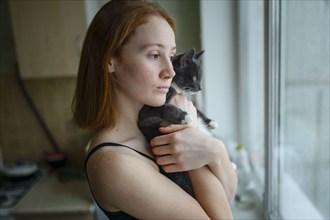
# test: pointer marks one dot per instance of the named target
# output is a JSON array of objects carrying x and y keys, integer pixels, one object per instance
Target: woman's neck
[{"x": 126, "y": 130}]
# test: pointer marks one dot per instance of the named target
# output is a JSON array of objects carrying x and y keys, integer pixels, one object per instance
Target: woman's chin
[{"x": 157, "y": 104}]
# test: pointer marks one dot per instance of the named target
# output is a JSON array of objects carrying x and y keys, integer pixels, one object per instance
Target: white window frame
[{"x": 303, "y": 209}]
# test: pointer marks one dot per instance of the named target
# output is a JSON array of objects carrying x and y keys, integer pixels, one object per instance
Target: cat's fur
[{"x": 187, "y": 80}]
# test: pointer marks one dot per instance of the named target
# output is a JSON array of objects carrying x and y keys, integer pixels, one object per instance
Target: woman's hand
[
  {"x": 181, "y": 148},
  {"x": 185, "y": 148}
]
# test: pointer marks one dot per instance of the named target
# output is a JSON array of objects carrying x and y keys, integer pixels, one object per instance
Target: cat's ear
[
  {"x": 111, "y": 66},
  {"x": 198, "y": 56},
  {"x": 187, "y": 57}
]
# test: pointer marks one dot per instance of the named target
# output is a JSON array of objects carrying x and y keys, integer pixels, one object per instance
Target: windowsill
[
  {"x": 291, "y": 209},
  {"x": 255, "y": 212}
]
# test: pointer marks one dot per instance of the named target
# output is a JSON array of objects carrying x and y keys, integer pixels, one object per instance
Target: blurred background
[{"x": 266, "y": 82}]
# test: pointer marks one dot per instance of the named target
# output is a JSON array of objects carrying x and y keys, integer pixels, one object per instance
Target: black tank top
[{"x": 115, "y": 215}]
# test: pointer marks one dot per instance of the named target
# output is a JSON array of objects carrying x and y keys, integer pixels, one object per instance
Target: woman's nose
[{"x": 167, "y": 71}]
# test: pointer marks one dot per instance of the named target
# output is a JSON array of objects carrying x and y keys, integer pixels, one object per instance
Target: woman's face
[{"x": 143, "y": 67}]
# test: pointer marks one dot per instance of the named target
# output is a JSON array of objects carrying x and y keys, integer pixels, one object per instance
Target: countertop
[{"x": 52, "y": 198}]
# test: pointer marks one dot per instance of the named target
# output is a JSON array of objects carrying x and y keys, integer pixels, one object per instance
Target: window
[
  {"x": 298, "y": 110},
  {"x": 267, "y": 84}
]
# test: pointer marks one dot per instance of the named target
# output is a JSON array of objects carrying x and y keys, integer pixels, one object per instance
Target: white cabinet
[{"x": 48, "y": 36}]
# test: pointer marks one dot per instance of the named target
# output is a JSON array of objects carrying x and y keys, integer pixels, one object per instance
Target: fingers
[
  {"x": 170, "y": 158},
  {"x": 159, "y": 141},
  {"x": 161, "y": 150},
  {"x": 167, "y": 154},
  {"x": 178, "y": 149},
  {"x": 166, "y": 146},
  {"x": 172, "y": 128},
  {"x": 165, "y": 160},
  {"x": 173, "y": 168},
  {"x": 170, "y": 164},
  {"x": 169, "y": 135}
]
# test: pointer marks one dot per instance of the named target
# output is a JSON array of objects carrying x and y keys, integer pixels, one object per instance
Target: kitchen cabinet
[
  {"x": 48, "y": 36},
  {"x": 51, "y": 199}
]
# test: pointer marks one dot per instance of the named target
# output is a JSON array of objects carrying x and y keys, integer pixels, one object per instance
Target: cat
[{"x": 187, "y": 80}]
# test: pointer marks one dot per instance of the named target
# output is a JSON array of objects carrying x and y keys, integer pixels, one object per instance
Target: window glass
[{"x": 304, "y": 112}]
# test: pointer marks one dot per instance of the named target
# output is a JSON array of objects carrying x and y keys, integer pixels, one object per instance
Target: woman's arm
[
  {"x": 121, "y": 179},
  {"x": 208, "y": 188},
  {"x": 185, "y": 148},
  {"x": 210, "y": 193},
  {"x": 222, "y": 168}
]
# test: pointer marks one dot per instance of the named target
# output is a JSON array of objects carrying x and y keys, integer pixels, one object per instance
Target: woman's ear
[{"x": 111, "y": 66}]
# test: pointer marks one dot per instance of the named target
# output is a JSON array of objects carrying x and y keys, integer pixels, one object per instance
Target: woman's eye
[{"x": 155, "y": 56}]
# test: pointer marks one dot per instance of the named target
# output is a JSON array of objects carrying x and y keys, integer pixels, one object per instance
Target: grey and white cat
[{"x": 187, "y": 80}]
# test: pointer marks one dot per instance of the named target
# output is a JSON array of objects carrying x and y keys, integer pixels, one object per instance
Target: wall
[
  {"x": 7, "y": 50},
  {"x": 219, "y": 39},
  {"x": 187, "y": 17},
  {"x": 21, "y": 136}
]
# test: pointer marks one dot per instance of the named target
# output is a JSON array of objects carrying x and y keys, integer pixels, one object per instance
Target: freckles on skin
[{"x": 138, "y": 72}]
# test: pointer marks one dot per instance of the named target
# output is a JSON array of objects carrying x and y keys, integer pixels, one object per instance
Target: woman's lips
[{"x": 163, "y": 88}]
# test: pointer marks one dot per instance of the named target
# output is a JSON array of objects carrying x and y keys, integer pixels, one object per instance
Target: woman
[{"x": 126, "y": 63}]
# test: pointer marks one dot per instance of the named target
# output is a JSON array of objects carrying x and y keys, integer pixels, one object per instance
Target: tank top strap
[{"x": 112, "y": 144}]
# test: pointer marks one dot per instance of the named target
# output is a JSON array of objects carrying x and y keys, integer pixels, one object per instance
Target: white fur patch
[
  {"x": 187, "y": 119},
  {"x": 212, "y": 125}
]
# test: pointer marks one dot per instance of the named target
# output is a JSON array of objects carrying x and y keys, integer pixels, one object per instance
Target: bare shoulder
[
  {"x": 126, "y": 181},
  {"x": 115, "y": 164},
  {"x": 117, "y": 160},
  {"x": 112, "y": 169}
]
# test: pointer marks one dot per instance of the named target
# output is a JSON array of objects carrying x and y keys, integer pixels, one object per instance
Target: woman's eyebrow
[{"x": 156, "y": 45}]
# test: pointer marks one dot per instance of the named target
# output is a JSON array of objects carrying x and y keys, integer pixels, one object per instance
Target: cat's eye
[{"x": 172, "y": 56}]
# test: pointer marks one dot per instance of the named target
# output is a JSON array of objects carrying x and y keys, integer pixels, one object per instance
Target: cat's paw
[
  {"x": 212, "y": 125},
  {"x": 187, "y": 119}
]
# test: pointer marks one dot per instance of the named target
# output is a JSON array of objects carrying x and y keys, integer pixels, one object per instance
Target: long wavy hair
[{"x": 94, "y": 105}]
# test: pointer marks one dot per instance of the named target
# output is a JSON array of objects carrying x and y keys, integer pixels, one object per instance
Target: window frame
[
  {"x": 275, "y": 91},
  {"x": 272, "y": 100}
]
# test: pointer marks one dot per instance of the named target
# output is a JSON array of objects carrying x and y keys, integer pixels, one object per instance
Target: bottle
[{"x": 245, "y": 196}]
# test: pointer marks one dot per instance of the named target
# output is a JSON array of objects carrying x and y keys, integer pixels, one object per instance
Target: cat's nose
[{"x": 196, "y": 87}]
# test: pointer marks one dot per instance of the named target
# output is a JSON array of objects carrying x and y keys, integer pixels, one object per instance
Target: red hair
[{"x": 94, "y": 104}]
